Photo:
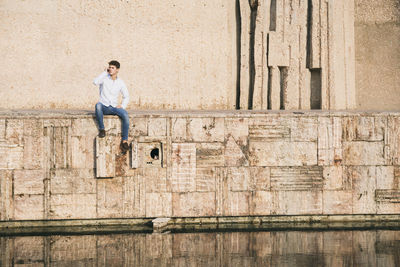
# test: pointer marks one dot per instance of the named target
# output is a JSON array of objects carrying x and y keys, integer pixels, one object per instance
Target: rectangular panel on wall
[{"x": 105, "y": 157}]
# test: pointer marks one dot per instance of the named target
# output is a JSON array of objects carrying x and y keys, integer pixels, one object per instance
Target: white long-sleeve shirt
[{"x": 110, "y": 90}]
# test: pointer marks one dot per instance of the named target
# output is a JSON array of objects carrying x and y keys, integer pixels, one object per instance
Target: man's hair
[{"x": 114, "y": 63}]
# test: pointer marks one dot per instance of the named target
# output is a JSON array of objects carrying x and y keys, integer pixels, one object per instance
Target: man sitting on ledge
[{"x": 110, "y": 87}]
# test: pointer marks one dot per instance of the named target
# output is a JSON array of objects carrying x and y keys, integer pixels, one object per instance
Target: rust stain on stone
[
  {"x": 121, "y": 164},
  {"x": 337, "y": 160}
]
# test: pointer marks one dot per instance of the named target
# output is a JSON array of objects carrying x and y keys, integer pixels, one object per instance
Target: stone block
[
  {"x": 158, "y": 204},
  {"x": 363, "y": 153},
  {"x": 262, "y": 203},
  {"x": 139, "y": 126},
  {"x": 155, "y": 180},
  {"x": 387, "y": 201},
  {"x": 112, "y": 125},
  {"x": 269, "y": 129},
  {"x": 282, "y": 153},
  {"x": 297, "y": 178},
  {"x": 30, "y": 182},
  {"x": 330, "y": 151},
  {"x": 392, "y": 142},
  {"x": 6, "y": 195},
  {"x": 205, "y": 179},
  {"x": 134, "y": 200},
  {"x": 15, "y": 131},
  {"x": 337, "y": 202},
  {"x": 33, "y": 144},
  {"x": 57, "y": 142},
  {"x": 28, "y": 207},
  {"x": 210, "y": 154},
  {"x": 206, "y": 129},
  {"x": 363, "y": 184},
  {"x": 84, "y": 127},
  {"x": 297, "y": 203},
  {"x": 179, "y": 129},
  {"x": 72, "y": 206},
  {"x": 238, "y": 179},
  {"x": 110, "y": 197},
  {"x": 235, "y": 154},
  {"x": 183, "y": 170},
  {"x": 236, "y": 204},
  {"x": 105, "y": 157},
  {"x": 238, "y": 129},
  {"x": 360, "y": 128},
  {"x": 82, "y": 148},
  {"x": 73, "y": 181},
  {"x": 146, "y": 156},
  {"x": 11, "y": 157},
  {"x": 2, "y": 129},
  {"x": 385, "y": 178},
  {"x": 134, "y": 154},
  {"x": 333, "y": 178},
  {"x": 261, "y": 178},
  {"x": 303, "y": 129},
  {"x": 157, "y": 127},
  {"x": 194, "y": 204}
]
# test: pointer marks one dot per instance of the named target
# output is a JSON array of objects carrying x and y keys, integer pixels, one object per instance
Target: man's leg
[
  {"x": 123, "y": 115},
  {"x": 99, "y": 117}
]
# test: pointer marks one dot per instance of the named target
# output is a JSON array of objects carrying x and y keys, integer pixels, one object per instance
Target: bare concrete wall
[
  {"x": 377, "y": 39},
  {"x": 174, "y": 53}
]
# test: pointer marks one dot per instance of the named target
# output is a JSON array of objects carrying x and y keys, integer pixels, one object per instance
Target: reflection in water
[{"x": 289, "y": 248}]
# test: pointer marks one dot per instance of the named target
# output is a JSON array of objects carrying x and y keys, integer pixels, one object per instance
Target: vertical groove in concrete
[
  {"x": 252, "y": 67},
  {"x": 238, "y": 51}
]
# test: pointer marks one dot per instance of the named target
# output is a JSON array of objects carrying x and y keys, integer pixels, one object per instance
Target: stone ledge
[{"x": 190, "y": 224}]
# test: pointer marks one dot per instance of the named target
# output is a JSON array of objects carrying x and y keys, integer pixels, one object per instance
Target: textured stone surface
[
  {"x": 105, "y": 157},
  {"x": 193, "y": 204},
  {"x": 28, "y": 207},
  {"x": 29, "y": 182},
  {"x": 243, "y": 164},
  {"x": 283, "y": 153}
]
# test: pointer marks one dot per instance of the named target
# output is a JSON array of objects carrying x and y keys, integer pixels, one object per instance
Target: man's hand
[{"x": 119, "y": 106}]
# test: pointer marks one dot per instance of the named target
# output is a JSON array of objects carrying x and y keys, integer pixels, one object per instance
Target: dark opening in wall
[
  {"x": 283, "y": 81},
  {"x": 315, "y": 85},
  {"x": 252, "y": 66},
  {"x": 155, "y": 153},
  {"x": 272, "y": 16},
  {"x": 269, "y": 88}
]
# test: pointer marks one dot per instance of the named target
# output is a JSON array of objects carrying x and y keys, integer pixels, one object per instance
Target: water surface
[{"x": 274, "y": 248}]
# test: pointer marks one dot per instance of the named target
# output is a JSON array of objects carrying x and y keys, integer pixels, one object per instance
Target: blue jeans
[{"x": 110, "y": 110}]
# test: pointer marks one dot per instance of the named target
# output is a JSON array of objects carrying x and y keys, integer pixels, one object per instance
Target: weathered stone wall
[
  {"x": 377, "y": 38},
  {"x": 52, "y": 166},
  {"x": 340, "y": 248}
]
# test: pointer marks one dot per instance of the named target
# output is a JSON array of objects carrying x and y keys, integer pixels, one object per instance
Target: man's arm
[
  {"x": 100, "y": 79},
  {"x": 125, "y": 97}
]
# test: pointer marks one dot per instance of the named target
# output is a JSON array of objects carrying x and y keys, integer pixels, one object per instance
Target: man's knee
[
  {"x": 98, "y": 107},
  {"x": 124, "y": 115}
]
